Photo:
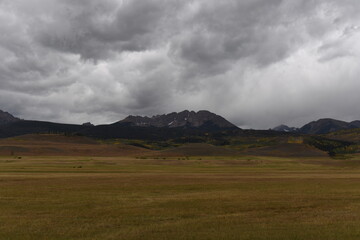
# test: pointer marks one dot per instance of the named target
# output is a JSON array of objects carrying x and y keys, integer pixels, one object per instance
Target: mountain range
[
  {"x": 182, "y": 119},
  {"x": 160, "y": 127},
  {"x": 174, "y": 125}
]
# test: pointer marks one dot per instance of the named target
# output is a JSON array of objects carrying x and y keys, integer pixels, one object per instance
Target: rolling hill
[
  {"x": 198, "y": 149},
  {"x": 286, "y": 150},
  {"x": 326, "y": 125}
]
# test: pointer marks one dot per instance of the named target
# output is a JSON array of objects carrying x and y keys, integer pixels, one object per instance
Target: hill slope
[
  {"x": 60, "y": 145},
  {"x": 198, "y": 149},
  {"x": 287, "y": 150},
  {"x": 22, "y": 127}
]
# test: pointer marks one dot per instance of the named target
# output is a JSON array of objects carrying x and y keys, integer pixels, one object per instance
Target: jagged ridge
[
  {"x": 6, "y": 118},
  {"x": 183, "y": 119}
]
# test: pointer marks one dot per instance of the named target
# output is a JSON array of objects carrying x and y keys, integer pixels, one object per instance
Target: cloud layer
[{"x": 258, "y": 63}]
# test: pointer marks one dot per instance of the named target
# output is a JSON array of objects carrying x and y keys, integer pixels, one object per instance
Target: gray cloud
[
  {"x": 98, "y": 29},
  {"x": 257, "y": 62}
]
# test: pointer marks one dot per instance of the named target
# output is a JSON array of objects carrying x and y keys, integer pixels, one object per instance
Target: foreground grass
[{"x": 198, "y": 198}]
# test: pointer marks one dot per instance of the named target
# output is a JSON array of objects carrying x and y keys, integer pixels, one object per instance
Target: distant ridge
[
  {"x": 182, "y": 119},
  {"x": 327, "y": 125},
  {"x": 174, "y": 125},
  {"x": 321, "y": 126},
  {"x": 284, "y": 128}
]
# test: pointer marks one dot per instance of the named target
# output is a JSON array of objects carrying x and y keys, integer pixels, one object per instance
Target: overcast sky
[{"x": 258, "y": 63}]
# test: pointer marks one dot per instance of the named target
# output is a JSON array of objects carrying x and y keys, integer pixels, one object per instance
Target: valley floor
[{"x": 179, "y": 198}]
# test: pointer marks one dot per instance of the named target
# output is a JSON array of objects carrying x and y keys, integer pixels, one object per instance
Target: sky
[{"x": 258, "y": 63}]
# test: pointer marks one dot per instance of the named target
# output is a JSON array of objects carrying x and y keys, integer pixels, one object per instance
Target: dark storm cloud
[
  {"x": 257, "y": 62},
  {"x": 97, "y": 29}
]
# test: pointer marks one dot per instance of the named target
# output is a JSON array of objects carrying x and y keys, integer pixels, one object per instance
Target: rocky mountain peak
[
  {"x": 182, "y": 119},
  {"x": 6, "y": 117}
]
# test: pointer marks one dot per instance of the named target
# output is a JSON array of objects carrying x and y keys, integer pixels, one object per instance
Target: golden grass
[{"x": 198, "y": 198}]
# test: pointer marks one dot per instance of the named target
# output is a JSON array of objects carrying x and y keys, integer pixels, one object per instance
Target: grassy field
[{"x": 179, "y": 198}]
